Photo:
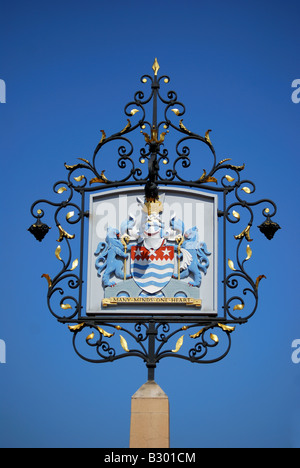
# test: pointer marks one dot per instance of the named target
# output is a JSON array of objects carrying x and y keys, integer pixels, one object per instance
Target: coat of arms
[{"x": 152, "y": 260}]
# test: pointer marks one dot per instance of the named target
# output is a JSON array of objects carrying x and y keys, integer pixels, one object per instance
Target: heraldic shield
[{"x": 151, "y": 269}]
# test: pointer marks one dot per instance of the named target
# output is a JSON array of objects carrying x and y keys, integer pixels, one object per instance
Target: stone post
[{"x": 150, "y": 417}]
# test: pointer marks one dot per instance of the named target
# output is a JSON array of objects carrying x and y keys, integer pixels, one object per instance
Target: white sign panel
[{"x": 152, "y": 257}]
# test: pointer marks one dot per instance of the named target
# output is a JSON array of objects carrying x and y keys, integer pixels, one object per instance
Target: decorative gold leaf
[
  {"x": 162, "y": 137},
  {"x": 239, "y": 307},
  {"x": 134, "y": 111},
  {"x": 103, "y": 136},
  {"x": 118, "y": 327},
  {"x": 196, "y": 335},
  {"x": 211, "y": 179},
  {"x": 207, "y": 136},
  {"x": 49, "y": 280},
  {"x": 214, "y": 338},
  {"x": 176, "y": 111},
  {"x": 101, "y": 180},
  {"x": 204, "y": 178},
  {"x": 63, "y": 233},
  {"x": 240, "y": 236},
  {"x": 90, "y": 337},
  {"x": 97, "y": 180},
  {"x": 258, "y": 280},
  {"x": 67, "y": 166},
  {"x": 183, "y": 127},
  {"x": 79, "y": 178},
  {"x": 61, "y": 190},
  {"x": 249, "y": 252},
  {"x": 229, "y": 178},
  {"x": 85, "y": 160},
  {"x": 238, "y": 168},
  {"x": 77, "y": 327},
  {"x": 66, "y": 306},
  {"x": 245, "y": 233},
  {"x": 70, "y": 215},
  {"x": 74, "y": 264},
  {"x": 105, "y": 333},
  {"x": 57, "y": 252},
  {"x": 231, "y": 265},
  {"x": 124, "y": 344},
  {"x": 127, "y": 127},
  {"x": 147, "y": 137},
  {"x": 236, "y": 214},
  {"x": 226, "y": 327},
  {"x": 246, "y": 189},
  {"x": 178, "y": 345},
  {"x": 224, "y": 160},
  {"x": 104, "y": 177}
]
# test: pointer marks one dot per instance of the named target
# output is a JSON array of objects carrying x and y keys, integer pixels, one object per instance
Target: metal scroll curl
[
  {"x": 63, "y": 287},
  {"x": 60, "y": 297},
  {"x": 243, "y": 305},
  {"x": 211, "y": 337},
  {"x": 106, "y": 342}
]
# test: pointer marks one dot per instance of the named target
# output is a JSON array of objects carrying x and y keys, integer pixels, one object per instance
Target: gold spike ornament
[{"x": 155, "y": 67}]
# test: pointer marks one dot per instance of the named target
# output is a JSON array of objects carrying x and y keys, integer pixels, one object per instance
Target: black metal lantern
[
  {"x": 269, "y": 228},
  {"x": 39, "y": 229}
]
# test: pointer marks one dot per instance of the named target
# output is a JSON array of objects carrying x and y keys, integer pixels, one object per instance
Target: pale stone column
[{"x": 150, "y": 417}]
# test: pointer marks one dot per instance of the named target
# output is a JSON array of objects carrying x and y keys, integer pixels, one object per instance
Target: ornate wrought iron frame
[{"x": 151, "y": 334}]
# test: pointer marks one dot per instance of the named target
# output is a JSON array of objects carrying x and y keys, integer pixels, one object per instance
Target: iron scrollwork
[{"x": 195, "y": 338}]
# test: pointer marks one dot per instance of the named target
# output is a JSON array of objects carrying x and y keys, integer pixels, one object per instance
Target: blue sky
[{"x": 70, "y": 68}]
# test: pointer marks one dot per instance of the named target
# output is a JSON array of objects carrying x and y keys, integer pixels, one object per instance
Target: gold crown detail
[{"x": 153, "y": 207}]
